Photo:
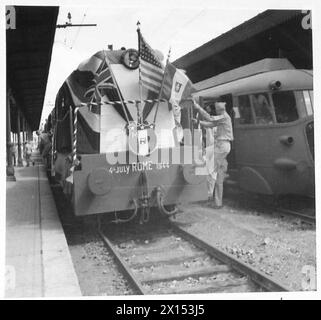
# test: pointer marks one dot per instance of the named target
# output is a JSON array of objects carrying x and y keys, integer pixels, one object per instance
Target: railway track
[
  {"x": 169, "y": 260},
  {"x": 310, "y": 219}
]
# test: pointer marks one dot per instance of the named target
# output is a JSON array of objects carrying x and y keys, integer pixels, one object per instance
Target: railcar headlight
[{"x": 275, "y": 85}]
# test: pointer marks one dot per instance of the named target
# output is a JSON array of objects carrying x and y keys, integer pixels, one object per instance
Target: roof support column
[
  {"x": 10, "y": 168},
  {"x": 23, "y": 136},
  {"x": 19, "y": 138}
]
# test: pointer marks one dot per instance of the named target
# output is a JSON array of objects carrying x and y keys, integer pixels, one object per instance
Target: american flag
[{"x": 151, "y": 69}]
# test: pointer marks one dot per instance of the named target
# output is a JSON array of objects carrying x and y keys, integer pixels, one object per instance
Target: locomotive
[
  {"x": 113, "y": 141},
  {"x": 271, "y": 104}
]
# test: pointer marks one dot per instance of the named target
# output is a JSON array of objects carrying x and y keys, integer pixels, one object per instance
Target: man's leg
[
  {"x": 218, "y": 189},
  {"x": 210, "y": 186},
  {"x": 27, "y": 159},
  {"x": 221, "y": 167},
  {"x": 210, "y": 170}
]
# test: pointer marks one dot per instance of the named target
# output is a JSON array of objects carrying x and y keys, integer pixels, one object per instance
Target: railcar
[
  {"x": 271, "y": 104},
  {"x": 113, "y": 142}
]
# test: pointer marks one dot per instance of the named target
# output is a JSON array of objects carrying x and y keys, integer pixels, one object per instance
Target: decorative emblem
[
  {"x": 141, "y": 138},
  {"x": 178, "y": 86}
]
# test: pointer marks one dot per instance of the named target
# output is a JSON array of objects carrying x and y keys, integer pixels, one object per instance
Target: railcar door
[{"x": 209, "y": 105}]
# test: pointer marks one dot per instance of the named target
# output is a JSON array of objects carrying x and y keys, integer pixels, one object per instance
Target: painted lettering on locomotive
[{"x": 271, "y": 104}]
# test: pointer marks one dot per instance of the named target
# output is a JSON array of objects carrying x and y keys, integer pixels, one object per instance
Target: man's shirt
[{"x": 224, "y": 127}]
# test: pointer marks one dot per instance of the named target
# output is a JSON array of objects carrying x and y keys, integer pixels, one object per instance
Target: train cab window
[
  {"x": 311, "y": 96},
  {"x": 308, "y": 99},
  {"x": 285, "y": 106},
  {"x": 262, "y": 108},
  {"x": 244, "y": 104}
]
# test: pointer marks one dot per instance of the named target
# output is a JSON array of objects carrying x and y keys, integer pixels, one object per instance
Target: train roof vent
[{"x": 251, "y": 69}]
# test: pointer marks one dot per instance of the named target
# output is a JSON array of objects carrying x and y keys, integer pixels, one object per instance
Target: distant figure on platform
[
  {"x": 14, "y": 153},
  {"x": 28, "y": 152},
  {"x": 222, "y": 144},
  {"x": 44, "y": 144}
]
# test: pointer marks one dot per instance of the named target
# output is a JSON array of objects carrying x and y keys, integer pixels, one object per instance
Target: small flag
[
  {"x": 151, "y": 69},
  {"x": 177, "y": 86},
  {"x": 102, "y": 80}
]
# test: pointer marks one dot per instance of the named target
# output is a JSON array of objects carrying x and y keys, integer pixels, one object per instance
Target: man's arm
[
  {"x": 207, "y": 124},
  {"x": 202, "y": 112},
  {"x": 207, "y": 116}
]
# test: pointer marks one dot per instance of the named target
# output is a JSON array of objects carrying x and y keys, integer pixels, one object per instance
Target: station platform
[{"x": 38, "y": 262}]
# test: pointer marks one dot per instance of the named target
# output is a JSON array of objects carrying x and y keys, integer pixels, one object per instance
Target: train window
[
  {"x": 262, "y": 108},
  {"x": 308, "y": 99},
  {"x": 285, "y": 106},
  {"x": 311, "y": 96},
  {"x": 301, "y": 104},
  {"x": 244, "y": 104}
]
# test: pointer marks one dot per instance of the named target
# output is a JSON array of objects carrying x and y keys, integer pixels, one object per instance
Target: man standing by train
[
  {"x": 222, "y": 144},
  {"x": 44, "y": 144}
]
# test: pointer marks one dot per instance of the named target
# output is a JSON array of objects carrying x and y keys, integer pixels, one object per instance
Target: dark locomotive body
[
  {"x": 91, "y": 156},
  {"x": 271, "y": 103}
]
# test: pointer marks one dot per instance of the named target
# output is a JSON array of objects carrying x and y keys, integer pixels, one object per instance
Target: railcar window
[
  {"x": 311, "y": 97},
  {"x": 262, "y": 108},
  {"x": 308, "y": 102},
  {"x": 246, "y": 116},
  {"x": 285, "y": 106},
  {"x": 300, "y": 102}
]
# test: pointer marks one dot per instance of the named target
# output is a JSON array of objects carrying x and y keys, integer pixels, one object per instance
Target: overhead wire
[
  {"x": 170, "y": 38},
  {"x": 78, "y": 30}
]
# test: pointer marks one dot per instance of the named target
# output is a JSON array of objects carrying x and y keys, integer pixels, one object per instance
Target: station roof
[
  {"x": 270, "y": 34},
  {"x": 28, "y": 52}
]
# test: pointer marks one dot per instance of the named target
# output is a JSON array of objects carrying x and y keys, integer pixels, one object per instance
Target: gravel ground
[
  {"x": 279, "y": 247},
  {"x": 96, "y": 269},
  {"x": 248, "y": 230}
]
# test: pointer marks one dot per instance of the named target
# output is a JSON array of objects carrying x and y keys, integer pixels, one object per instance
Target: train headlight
[
  {"x": 130, "y": 59},
  {"x": 287, "y": 140}
]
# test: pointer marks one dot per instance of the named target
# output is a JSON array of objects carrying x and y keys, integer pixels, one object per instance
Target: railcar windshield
[
  {"x": 285, "y": 106},
  {"x": 308, "y": 101},
  {"x": 291, "y": 105},
  {"x": 244, "y": 107},
  {"x": 262, "y": 109}
]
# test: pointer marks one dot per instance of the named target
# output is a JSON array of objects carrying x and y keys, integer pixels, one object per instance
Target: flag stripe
[
  {"x": 151, "y": 86},
  {"x": 151, "y": 77},
  {"x": 156, "y": 86},
  {"x": 151, "y": 69},
  {"x": 155, "y": 70}
]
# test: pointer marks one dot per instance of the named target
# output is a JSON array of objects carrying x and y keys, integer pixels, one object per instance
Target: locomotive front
[{"x": 116, "y": 145}]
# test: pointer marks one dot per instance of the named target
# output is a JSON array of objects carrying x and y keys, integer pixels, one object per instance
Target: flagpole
[
  {"x": 162, "y": 85},
  {"x": 140, "y": 76},
  {"x": 118, "y": 91}
]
